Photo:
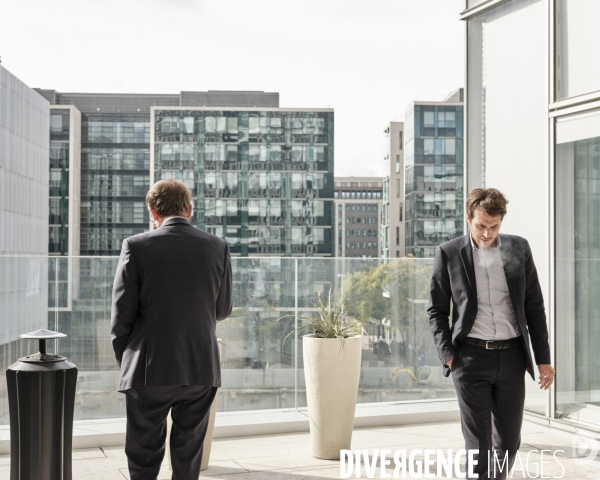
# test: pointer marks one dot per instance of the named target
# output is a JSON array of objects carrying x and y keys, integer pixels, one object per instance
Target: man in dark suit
[
  {"x": 497, "y": 309},
  {"x": 171, "y": 287}
]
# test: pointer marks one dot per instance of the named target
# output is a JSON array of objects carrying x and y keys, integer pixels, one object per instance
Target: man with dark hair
[
  {"x": 171, "y": 287},
  {"x": 497, "y": 309}
]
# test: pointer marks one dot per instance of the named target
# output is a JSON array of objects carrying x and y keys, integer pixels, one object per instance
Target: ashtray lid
[{"x": 42, "y": 334}]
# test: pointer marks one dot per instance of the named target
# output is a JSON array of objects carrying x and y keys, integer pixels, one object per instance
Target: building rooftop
[{"x": 131, "y": 102}]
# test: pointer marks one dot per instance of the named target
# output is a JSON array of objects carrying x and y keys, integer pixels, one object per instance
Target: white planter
[{"x": 332, "y": 373}]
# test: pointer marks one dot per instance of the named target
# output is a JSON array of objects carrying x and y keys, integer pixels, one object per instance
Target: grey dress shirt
[{"x": 496, "y": 318}]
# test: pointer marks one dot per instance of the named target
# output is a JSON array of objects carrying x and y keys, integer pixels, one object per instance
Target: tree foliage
[{"x": 406, "y": 280}]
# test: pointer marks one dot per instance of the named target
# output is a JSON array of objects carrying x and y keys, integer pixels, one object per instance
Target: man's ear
[{"x": 153, "y": 214}]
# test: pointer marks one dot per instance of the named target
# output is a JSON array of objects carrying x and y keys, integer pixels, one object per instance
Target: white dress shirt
[{"x": 495, "y": 315}]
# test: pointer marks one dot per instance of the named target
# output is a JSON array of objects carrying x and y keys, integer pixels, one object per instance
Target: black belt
[{"x": 492, "y": 344}]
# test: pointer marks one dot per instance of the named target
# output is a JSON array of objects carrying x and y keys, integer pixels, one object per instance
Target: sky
[{"x": 366, "y": 59}]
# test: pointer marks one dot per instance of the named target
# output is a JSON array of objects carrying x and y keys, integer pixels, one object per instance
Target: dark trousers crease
[
  {"x": 490, "y": 386},
  {"x": 147, "y": 410}
]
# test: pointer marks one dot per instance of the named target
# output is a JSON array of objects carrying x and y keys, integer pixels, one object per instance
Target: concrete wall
[{"x": 397, "y": 189}]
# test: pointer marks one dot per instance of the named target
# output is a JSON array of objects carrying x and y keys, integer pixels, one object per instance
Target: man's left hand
[{"x": 546, "y": 376}]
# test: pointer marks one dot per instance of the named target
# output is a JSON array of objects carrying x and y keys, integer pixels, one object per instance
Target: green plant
[{"x": 329, "y": 323}]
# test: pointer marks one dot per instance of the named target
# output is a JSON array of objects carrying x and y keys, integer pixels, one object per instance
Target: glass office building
[
  {"x": 115, "y": 178},
  {"x": 533, "y": 131},
  {"x": 262, "y": 179},
  {"x": 261, "y": 176},
  {"x": 100, "y": 169},
  {"x": 65, "y": 181},
  {"x": 433, "y": 162}
]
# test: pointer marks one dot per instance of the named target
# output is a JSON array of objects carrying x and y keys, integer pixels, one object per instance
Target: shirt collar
[{"x": 498, "y": 243}]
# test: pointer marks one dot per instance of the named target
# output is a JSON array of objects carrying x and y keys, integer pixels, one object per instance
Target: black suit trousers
[
  {"x": 490, "y": 386},
  {"x": 147, "y": 410}
]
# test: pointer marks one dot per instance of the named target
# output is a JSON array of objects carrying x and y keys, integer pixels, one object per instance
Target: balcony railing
[{"x": 73, "y": 295}]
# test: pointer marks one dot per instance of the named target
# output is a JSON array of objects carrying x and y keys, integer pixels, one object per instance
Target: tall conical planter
[{"x": 332, "y": 374}]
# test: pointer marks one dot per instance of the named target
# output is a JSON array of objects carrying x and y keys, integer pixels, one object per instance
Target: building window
[
  {"x": 428, "y": 145},
  {"x": 397, "y": 163},
  {"x": 397, "y": 235},
  {"x": 335, "y": 194},
  {"x": 447, "y": 119},
  {"x": 397, "y": 254},
  {"x": 401, "y": 141},
  {"x": 429, "y": 119},
  {"x": 397, "y": 188},
  {"x": 400, "y": 212}
]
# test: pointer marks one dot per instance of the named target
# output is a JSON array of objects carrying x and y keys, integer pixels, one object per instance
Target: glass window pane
[
  {"x": 496, "y": 135},
  {"x": 428, "y": 146},
  {"x": 275, "y": 208},
  {"x": 577, "y": 39},
  {"x": 578, "y": 266},
  {"x": 188, "y": 124},
  {"x": 253, "y": 207},
  {"x": 429, "y": 119}
]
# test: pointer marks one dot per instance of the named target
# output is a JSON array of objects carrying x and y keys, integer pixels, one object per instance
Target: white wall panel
[{"x": 24, "y": 189}]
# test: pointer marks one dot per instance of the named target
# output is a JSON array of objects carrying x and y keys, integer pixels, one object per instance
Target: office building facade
[
  {"x": 65, "y": 181},
  {"x": 392, "y": 210},
  {"x": 261, "y": 178},
  {"x": 533, "y": 131},
  {"x": 114, "y": 154},
  {"x": 283, "y": 159},
  {"x": 433, "y": 166},
  {"x": 357, "y": 214}
]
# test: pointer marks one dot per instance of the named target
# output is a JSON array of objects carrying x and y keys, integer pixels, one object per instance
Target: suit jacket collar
[
  {"x": 466, "y": 255},
  {"x": 174, "y": 221}
]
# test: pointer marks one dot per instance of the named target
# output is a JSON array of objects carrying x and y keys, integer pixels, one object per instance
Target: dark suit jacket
[
  {"x": 171, "y": 287},
  {"x": 453, "y": 280}
]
